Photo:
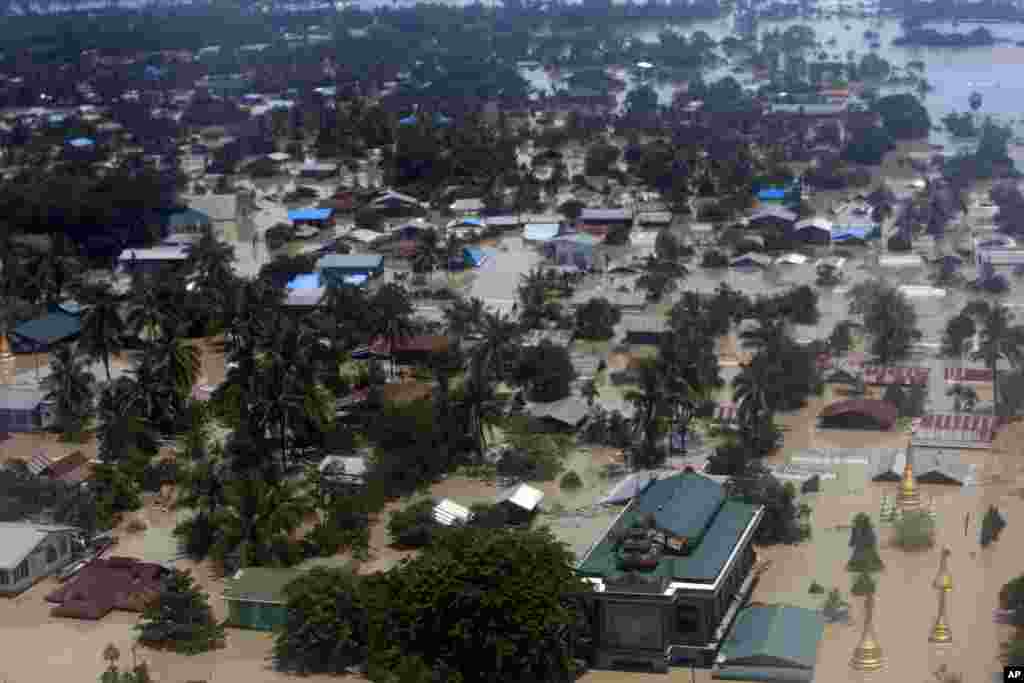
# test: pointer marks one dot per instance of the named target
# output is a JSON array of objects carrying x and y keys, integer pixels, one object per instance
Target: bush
[
  {"x": 816, "y": 588},
  {"x": 914, "y": 530},
  {"x": 414, "y": 527},
  {"x": 618, "y": 235},
  {"x": 571, "y": 481},
  {"x": 279, "y": 234},
  {"x": 597, "y": 319},
  {"x": 991, "y": 526},
  {"x": 864, "y": 584},
  {"x": 812, "y": 485}
]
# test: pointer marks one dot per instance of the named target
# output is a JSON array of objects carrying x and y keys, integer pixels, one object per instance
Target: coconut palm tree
[
  {"x": 102, "y": 326},
  {"x": 650, "y": 401},
  {"x": 487, "y": 362},
  {"x": 465, "y": 317},
  {"x": 257, "y": 519},
  {"x": 211, "y": 273},
  {"x": 70, "y": 385},
  {"x": 123, "y": 430},
  {"x": 753, "y": 393},
  {"x": 391, "y": 320}
]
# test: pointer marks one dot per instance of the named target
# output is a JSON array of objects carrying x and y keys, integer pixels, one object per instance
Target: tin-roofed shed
[
  {"x": 772, "y": 643},
  {"x": 255, "y": 597}
]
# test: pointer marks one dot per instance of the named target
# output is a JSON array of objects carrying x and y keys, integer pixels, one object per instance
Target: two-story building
[{"x": 670, "y": 574}]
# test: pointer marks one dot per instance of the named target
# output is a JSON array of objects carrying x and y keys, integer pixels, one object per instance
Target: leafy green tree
[
  {"x": 757, "y": 486},
  {"x": 1000, "y": 339},
  {"x": 70, "y": 385},
  {"x": 414, "y": 526},
  {"x": 547, "y": 370},
  {"x": 597, "y": 319},
  {"x": 642, "y": 101},
  {"x": 992, "y": 526},
  {"x": 915, "y": 531},
  {"x": 326, "y": 630},
  {"x": 483, "y": 604},
  {"x": 651, "y": 402},
  {"x": 960, "y": 329},
  {"x": 180, "y": 619},
  {"x": 903, "y": 116},
  {"x": 863, "y": 585},
  {"x": 868, "y": 145},
  {"x": 865, "y": 546}
]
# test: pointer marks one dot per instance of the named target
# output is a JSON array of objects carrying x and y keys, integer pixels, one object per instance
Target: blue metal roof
[
  {"x": 49, "y": 329},
  {"x": 81, "y": 142},
  {"x": 310, "y": 214},
  {"x": 683, "y": 505},
  {"x": 350, "y": 261},
  {"x": 785, "y": 636},
  {"x": 304, "y": 281},
  {"x": 188, "y": 218},
  {"x": 474, "y": 255}
]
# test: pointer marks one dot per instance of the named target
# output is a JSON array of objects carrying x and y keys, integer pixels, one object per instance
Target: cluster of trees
[
  {"x": 998, "y": 339},
  {"x": 467, "y": 606},
  {"x": 888, "y": 316}
]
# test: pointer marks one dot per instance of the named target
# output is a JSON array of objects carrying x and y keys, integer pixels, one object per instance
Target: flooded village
[{"x": 344, "y": 375}]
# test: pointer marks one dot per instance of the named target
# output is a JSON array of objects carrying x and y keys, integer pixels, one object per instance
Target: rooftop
[
  {"x": 18, "y": 539},
  {"x": 772, "y": 636},
  {"x": 691, "y": 504},
  {"x": 259, "y": 584}
]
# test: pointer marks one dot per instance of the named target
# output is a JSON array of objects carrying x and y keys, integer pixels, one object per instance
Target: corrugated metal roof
[
  {"x": 262, "y": 584},
  {"x": 683, "y": 506},
  {"x": 50, "y": 329},
  {"x": 448, "y": 513},
  {"x": 18, "y": 539},
  {"x": 786, "y": 636},
  {"x": 570, "y": 410},
  {"x": 20, "y": 398},
  {"x": 219, "y": 207},
  {"x": 350, "y": 261},
  {"x": 521, "y": 495},
  {"x": 154, "y": 254}
]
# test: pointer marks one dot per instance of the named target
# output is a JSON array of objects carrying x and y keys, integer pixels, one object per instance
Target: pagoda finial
[
  {"x": 941, "y": 633},
  {"x": 6, "y": 360},
  {"x": 909, "y": 498},
  {"x": 944, "y": 580},
  {"x": 867, "y": 656}
]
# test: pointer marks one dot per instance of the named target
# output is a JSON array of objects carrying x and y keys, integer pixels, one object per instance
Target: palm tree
[
  {"x": 499, "y": 335},
  {"x": 70, "y": 386},
  {"x": 999, "y": 339},
  {"x": 123, "y": 430},
  {"x": 151, "y": 309},
  {"x": 426, "y": 252},
  {"x": 209, "y": 265},
  {"x": 178, "y": 365},
  {"x": 465, "y": 317},
  {"x": 445, "y": 366},
  {"x": 391, "y": 317},
  {"x": 102, "y": 326},
  {"x": 650, "y": 401},
  {"x": 753, "y": 393},
  {"x": 590, "y": 392},
  {"x": 964, "y": 397},
  {"x": 257, "y": 520}
]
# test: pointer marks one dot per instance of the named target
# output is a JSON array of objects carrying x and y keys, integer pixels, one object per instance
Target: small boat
[{"x": 874, "y": 45}]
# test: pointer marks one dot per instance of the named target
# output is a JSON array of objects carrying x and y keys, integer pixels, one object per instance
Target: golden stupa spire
[
  {"x": 909, "y": 499},
  {"x": 867, "y": 656},
  {"x": 941, "y": 633}
]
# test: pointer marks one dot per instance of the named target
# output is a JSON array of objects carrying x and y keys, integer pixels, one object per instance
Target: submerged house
[
  {"x": 860, "y": 414},
  {"x": 30, "y": 552},
  {"x": 349, "y": 269},
  {"x": 576, "y": 249},
  {"x": 670, "y": 574},
  {"x": 121, "y": 583},
  {"x": 255, "y": 597}
]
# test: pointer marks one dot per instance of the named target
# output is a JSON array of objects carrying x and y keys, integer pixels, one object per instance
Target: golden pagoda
[
  {"x": 941, "y": 633},
  {"x": 909, "y": 499},
  {"x": 867, "y": 656}
]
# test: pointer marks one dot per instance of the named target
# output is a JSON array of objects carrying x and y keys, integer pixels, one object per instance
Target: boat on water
[
  {"x": 874, "y": 45},
  {"x": 982, "y": 84}
]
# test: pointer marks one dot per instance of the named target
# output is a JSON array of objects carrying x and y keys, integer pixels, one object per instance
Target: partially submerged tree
[
  {"x": 865, "y": 546},
  {"x": 180, "y": 619},
  {"x": 992, "y": 526}
]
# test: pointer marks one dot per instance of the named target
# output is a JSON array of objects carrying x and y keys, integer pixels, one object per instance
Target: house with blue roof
[
  {"x": 349, "y": 269},
  {"x": 575, "y": 249},
  {"x": 320, "y": 219},
  {"x": 82, "y": 143},
  {"x": 61, "y": 324},
  {"x": 671, "y": 573}
]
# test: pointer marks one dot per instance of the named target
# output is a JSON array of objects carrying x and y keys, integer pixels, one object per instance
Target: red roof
[
  {"x": 883, "y": 412},
  {"x": 968, "y": 375},
  {"x": 120, "y": 583},
  {"x": 974, "y": 428},
  {"x": 67, "y": 467},
  {"x": 422, "y": 343},
  {"x": 891, "y": 375}
]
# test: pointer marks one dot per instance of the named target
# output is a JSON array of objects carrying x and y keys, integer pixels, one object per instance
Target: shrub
[
  {"x": 277, "y": 235},
  {"x": 812, "y": 485},
  {"x": 835, "y": 608},
  {"x": 816, "y": 588},
  {"x": 414, "y": 527},
  {"x": 914, "y": 530},
  {"x": 864, "y": 584},
  {"x": 180, "y": 618},
  {"x": 571, "y": 481},
  {"x": 597, "y": 319},
  {"x": 991, "y": 526}
]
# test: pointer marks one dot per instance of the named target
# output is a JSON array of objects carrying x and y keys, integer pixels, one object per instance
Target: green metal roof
[
  {"x": 775, "y": 636},
  {"x": 51, "y": 328},
  {"x": 188, "y": 218},
  {"x": 260, "y": 584},
  {"x": 703, "y": 563},
  {"x": 683, "y": 505}
]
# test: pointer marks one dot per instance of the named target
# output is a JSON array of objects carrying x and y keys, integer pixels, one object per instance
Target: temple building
[{"x": 670, "y": 574}]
